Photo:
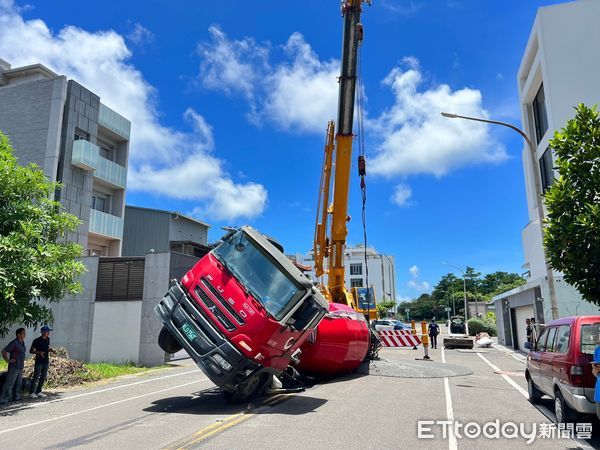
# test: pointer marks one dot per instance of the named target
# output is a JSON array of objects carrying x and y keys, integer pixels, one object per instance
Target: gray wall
[
  {"x": 73, "y": 318},
  {"x": 144, "y": 230},
  {"x": 81, "y": 111},
  {"x": 184, "y": 229},
  {"x": 31, "y": 115}
]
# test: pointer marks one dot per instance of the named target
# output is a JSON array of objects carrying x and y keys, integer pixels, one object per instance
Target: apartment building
[
  {"x": 555, "y": 76},
  {"x": 381, "y": 270},
  {"x": 77, "y": 140}
]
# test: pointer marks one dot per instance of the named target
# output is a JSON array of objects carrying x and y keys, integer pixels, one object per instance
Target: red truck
[{"x": 242, "y": 313}]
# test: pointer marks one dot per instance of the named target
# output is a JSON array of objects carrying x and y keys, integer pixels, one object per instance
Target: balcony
[
  {"x": 111, "y": 172},
  {"x": 114, "y": 122},
  {"x": 106, "y": 224},
  {"x": 87, "y": 156}
]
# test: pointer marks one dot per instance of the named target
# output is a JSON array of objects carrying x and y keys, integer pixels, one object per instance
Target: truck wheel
[
  {"x": 563, "y": 412},
  {"x": 251, "y": 388},
  {"x": 167, "y": 341},
  {"x": 535, "y": 395}
]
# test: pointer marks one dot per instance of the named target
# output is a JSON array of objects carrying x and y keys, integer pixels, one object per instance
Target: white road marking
[
  {"x": 452, "y": 442},
  {"x": 508, "y": 379},
  {"x": 85, "y": 394},
  {"x": 519, "y": 357},
  {"x": 52, "y": 419}
]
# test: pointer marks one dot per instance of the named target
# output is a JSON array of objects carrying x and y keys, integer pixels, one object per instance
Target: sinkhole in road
[{"x": 412, "y": 369}]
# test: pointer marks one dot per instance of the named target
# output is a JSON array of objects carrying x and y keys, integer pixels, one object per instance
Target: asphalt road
[{"x": 179, "y": 408}]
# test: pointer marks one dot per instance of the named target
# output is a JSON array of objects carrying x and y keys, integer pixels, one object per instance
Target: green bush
[{"x": 477, "y": 326}]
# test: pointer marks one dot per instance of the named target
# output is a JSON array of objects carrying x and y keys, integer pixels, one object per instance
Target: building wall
[
  {"x": 145, "y": 230},
  {"x": 556, "y": 55},
  {"x": 116, "y": 335},
  {"x": 183, "y": 229},
  {"x": 31, "y": 115},
  {"x": 81, "y": 111}
]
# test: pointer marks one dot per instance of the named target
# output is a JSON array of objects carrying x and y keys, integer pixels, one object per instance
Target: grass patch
[
  {"x": 104, "y": 370},
  {"x": 3, "y": 364}
]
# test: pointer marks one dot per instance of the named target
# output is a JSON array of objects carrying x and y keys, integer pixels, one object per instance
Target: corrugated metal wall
[
  {"x": 183, "y": 229},
  {"x": 145, "y": 230}
]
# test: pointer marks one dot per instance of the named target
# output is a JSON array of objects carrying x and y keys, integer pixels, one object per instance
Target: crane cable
[
  {"x": 362, "y": 169},
  {"x": 375, "y": 343}
]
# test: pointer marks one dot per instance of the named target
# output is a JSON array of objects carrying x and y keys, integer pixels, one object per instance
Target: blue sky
[{"x": 230, "y": 102}]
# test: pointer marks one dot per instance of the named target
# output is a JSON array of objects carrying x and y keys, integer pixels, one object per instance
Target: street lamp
[
  {"x": 464, "y": 288},
  {"x": 538, "y": 197}
]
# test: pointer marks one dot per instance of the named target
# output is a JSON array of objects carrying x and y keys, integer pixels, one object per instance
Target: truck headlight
[{"x": 221, "y": 361}]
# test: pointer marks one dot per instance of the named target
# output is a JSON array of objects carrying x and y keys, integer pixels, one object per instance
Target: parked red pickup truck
[{"x": 559, "y": 365}]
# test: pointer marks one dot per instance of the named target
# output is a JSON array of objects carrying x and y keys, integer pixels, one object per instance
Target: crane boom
[{"x": 352, "y": 38}]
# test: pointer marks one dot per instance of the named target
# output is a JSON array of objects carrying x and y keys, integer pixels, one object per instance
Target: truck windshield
[{"x": 259, "y": 274}]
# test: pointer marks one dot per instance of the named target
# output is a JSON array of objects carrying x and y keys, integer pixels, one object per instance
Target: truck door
[
  {"x": 535, "y": 358},
  {"x": 546, "y": 360},
  {"x": 560, "y": 362}
]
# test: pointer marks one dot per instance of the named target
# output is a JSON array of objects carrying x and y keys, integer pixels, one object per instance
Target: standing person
[
  {"x": 14, "y": 355},
  {"x": 40, "y": 347},
  {"x": 533, "y": 331},
  {"x": 529, "y": 330},
  {"x": 434, "y": 330}
]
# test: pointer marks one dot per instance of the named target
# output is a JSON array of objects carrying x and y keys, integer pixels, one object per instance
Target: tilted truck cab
[{"x": 242, "y": 313}]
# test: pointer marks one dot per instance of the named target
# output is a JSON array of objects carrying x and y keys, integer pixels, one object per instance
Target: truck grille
[
  {"x": 221, "y": 317},
  {"x": 223, "y": 302}
]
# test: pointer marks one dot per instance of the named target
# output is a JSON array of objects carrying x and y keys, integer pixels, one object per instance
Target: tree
[
  {"x": 572, "y": 234},
  {"x": 37, "y": 265},
  {"x": 385, "y": 306}
]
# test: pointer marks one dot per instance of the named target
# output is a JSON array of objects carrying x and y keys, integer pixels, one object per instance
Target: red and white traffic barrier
[{"x": 399, "y": 338}]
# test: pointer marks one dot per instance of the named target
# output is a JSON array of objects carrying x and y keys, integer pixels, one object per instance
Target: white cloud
[
  {"x": 161, "y": 158},
  {"x": 140, "y": 34},
  {"x": 402, "y": 8},
  {"x": 402, "y": 195},
  {"x": 414, "y": 271},
  {"x": 299, "y": 93},
  {"x": 415, "y": 283},
  {"x": 416, "y": 139},
  {"x": 420, "y": 286}
]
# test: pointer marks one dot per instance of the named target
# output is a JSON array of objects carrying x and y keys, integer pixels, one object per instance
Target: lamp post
[
  {"x": 538, "y": 197},
  {"x": 464, "y": 288}
]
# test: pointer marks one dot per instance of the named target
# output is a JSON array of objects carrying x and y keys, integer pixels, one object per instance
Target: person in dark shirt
[
  {"x": 434, "y": 330},
  {"x": 14, "y": 355},
  {"x": 40, "y": 347}
]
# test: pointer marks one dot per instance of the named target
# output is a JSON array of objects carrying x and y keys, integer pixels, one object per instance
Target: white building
[
  {"x": 557, "y": 73},
  {"x": 382, "y": 274}
]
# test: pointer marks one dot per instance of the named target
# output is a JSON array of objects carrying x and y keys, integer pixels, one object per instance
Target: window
[
  {"x": 356, "y": 269},
  {"x": 356, "y": 282},
  {"x": 106, "y": 150},
  {"x": 547, "y": 169},
  {"x": 81, "y": 135},
  {"x": 100, "y": 202},
  {"x": 539, "y": 114},
  {"x": 120, "y": 279},
  {"x": 590, "y": 337},
  {"x": 562, "y": 339},
  {"x": 541, "y": 344},
  {"x": 550, "y": 344}
]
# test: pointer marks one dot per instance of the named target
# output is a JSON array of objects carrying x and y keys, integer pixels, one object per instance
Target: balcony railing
[
  {"x": 87, "y": 156},
  {"x": 106, "y": 224},
  {"x": 111, "y": 172},
  {"x": 114, "y": 121}
]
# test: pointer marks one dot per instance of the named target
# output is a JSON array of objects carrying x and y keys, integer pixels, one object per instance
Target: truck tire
[
  {"x": 563, "y": 412},
  {"x": 253, "y": 387},
  {"x": 535, "y": 395},
  {"x": 167, "y": 341}
]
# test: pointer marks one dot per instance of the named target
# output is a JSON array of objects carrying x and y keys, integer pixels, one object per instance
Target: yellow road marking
[{"x": 228, "y": 422}]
